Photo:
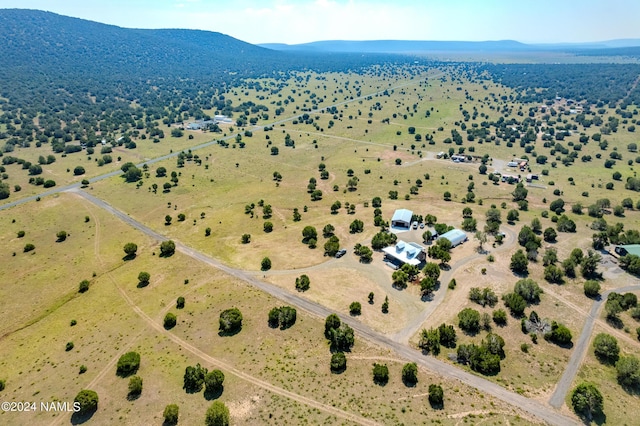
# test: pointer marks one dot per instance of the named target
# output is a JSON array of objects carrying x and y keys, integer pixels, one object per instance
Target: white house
[
  {"x": 401, "y": 218},
  {"x": 403, "y": 252}
]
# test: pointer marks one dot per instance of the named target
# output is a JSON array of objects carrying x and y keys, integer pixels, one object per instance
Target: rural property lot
[{"x": 328, "y": 168}]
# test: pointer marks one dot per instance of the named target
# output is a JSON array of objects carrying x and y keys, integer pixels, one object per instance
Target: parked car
[
  {"x": 340, "y": 253},
  {"x": 422, "y": 226},
  {"x": 415, "y": 225}
]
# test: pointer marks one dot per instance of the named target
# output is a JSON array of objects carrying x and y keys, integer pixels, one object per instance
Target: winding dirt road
[{"x": 535, "y": 408}]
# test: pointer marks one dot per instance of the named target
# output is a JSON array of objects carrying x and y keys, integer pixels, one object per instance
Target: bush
[
  {"x": 500, "y": 317},
  {"x": 61, "y": 236},
  {"x": 130, "y": 250},
  {"x": 303, "y": 283},
  {"x": 469, "y": 320},
  {"x": 170, "y": 321},
  {"x": 606, "y": 348},
  {"x": 170, "y": 414},
  {"x": 265, "y": 265},
  {"x": 587, "y": 400},
  {"x": 167, "y": 248},
  {"x": 217, "y": 415},
  {"x": 529, "y": 290},
  {"x": 410, "y": 374},
  {"x": 180, "y": 303},
  {"x": 559, "y": 334},
  {"x": 194, "y": 378},
  {"x": 591, "y": 288},
  {"x": 515, "y": 303},
  {"x": 135, "y": 386},
  {"x": 69, "y": 346},
  {"x": 628, "y": 371},
  {"x": 84, "y": 286},
  {"x": 29, "y": 247},
  {"x": 436, "y": 396},
  {"x": 355, "y": 308},
  {"x": 128, "y": 364},
  {"x": 380, "y": 374},
  {"x": 213, "y": 381},
  {"x": 143, "y": 279},
  {"x": 338, "y": 362},
  {"x": 230, "y": 321},
  {"x": 88, "y": 401},
  {"x": 284, "y": 317}
]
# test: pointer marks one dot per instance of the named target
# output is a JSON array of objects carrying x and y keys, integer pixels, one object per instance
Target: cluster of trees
[
  {"x": 339, "y": 335},
  {"x": 484, "y": 359},
  {"x": 283, "y": 317},
  {"x": 432, "y": 339}
]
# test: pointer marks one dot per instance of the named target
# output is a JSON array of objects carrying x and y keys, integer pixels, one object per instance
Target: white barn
[
  {"x": 455, "y": 236},
  {"x": 401, "y": 218}
]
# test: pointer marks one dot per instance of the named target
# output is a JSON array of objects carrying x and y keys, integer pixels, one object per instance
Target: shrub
[
  {"x": 128, "y": 364},
  {"x": 303, "y": 283},
  {"x": 436, "y": 396},
  {"x": 170, "y": 414},
  {"x": 84, "y": 286},
  {"x": 587, "y": 400},
  {"x": 380, "y": 374},
  {"x": 469, "y": 320},
  {"x": 213, "y": 381},
  {"x": 338, "y": 362},
  {"x": 591, "y": 288},
  {"x": 355, "y": 308},
  {"x": 88, "y": 401},
  {"x": 135, "y": 386},
  {"x": 606, "y": 348},
  {"x": 217, "y": 415},
  {"x": 230, "y": 321},
  {"x": 29, "y": 247},
  {"x": 559, "y": 334},
  {"x": 500, "y": 317},
  {"x": 180, "y": 303},
  {"x": 167, "y": 248},
  {"x": 69, "y": 346},
  {"x": 265, "y": 265},
  {"x": 410, "y": 374},
  {"x": 170, "y": 321}
]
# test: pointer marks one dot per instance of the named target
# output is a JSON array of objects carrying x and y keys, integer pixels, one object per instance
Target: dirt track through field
[{"x": 436, "y": 366}]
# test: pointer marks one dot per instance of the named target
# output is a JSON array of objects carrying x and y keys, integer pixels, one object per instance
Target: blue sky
[{"x": 299, "y": 21}]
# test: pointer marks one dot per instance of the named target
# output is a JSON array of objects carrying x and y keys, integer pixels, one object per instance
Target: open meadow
[{"x": 341, "y": 149}]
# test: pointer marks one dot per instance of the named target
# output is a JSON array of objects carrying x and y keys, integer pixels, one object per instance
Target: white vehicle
[{"x": 415, "y": 225}]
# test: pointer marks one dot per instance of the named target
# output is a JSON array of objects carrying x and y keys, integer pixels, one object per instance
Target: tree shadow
[
  {"x": 211, "y": 394},
  {"x": 229, "y": 333},
  {"x": 598, "y": 418},
  {"x": 381, "y": 382},
  {"x": 437, "y": 405},
  {"x": 129, "y": 257},
  {"x": 133, "y": 396},
  {"x": 615, "y": 322},
  {"x": 142, "y": 284},
  {"x": 409, "y": 383},
  {"x": 80, "y": 418}
]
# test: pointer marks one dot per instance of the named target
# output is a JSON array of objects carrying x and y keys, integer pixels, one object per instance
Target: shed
[
  {"x": 455, "y": 236},
  {"x": 624, "y": 250},
  {"x": 402, "y": 218}
]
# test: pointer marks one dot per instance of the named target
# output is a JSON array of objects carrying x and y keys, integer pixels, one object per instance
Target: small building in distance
[
  {"x": 455, "y": 236},
  {"x": 403, "y": 252},
  {"x": 401, "y": 218},
  {"x": 624, "y": 250}
]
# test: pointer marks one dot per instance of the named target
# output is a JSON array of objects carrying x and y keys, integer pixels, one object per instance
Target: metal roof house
[
  {"x": 401, "y": 218},
  {"x": 627, "y": 249},
  {"x": 456, "y": 237},
  {"x": 403, "y": 252}
]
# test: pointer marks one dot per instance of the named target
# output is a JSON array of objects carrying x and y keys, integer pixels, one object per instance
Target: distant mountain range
[{"x": 416, "y": 46}]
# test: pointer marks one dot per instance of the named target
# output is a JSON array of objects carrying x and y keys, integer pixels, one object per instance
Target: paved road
[
  {"x": 535, "y": 408},
  {"x": 580, "y": 349}
]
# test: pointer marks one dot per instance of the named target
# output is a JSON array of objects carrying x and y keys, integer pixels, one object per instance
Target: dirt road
[{"x": 535, "y": 408}]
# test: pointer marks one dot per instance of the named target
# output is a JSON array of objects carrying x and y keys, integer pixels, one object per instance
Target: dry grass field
[{"x": 276, "y": 376}]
